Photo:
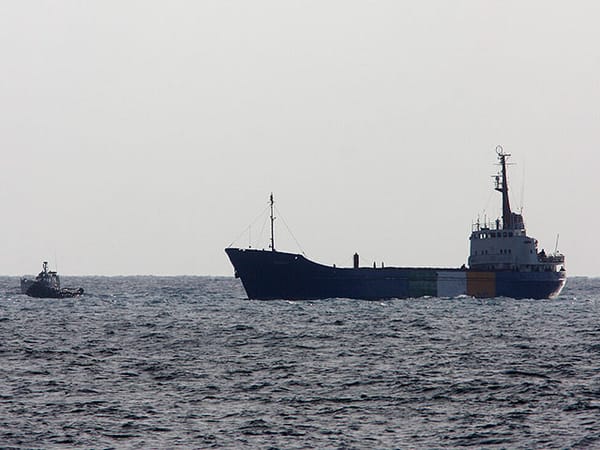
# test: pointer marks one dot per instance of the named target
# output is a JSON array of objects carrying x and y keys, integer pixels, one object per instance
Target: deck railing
[{"x": 556, "y": 258}]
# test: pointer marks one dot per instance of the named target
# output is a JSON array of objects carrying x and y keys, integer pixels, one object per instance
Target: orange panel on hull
[{"x": 481, "y": 284}]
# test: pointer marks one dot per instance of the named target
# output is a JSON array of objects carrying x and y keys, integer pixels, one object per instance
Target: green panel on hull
[{"x": 422, "y": 282}]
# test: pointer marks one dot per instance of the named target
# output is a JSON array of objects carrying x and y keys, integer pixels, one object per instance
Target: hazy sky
[{"x": 143, "y": 137}]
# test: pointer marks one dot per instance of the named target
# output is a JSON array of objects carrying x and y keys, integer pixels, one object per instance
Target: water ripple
[{"x": 165, "y": 362}]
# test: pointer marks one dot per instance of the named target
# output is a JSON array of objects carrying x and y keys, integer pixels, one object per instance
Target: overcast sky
[{"x": 143, "y": 137}]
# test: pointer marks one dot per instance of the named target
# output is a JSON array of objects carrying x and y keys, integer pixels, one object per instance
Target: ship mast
[
  {"x": 272, "y": 220},
  {"x": 502, "y": 186}
]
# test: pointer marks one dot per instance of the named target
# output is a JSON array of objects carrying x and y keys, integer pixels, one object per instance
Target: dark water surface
[{"x": 143, "y": 362}]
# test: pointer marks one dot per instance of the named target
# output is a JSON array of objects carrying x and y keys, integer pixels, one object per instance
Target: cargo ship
[{"x": 504, "y": 262}]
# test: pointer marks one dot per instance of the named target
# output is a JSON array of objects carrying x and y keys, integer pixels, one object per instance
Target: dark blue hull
[{"x": 277, "y": 275}]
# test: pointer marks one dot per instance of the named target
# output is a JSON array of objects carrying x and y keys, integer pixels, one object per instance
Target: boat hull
[
  {"x": 268, "y": 275},
  {"x": 26, "y": 284}
]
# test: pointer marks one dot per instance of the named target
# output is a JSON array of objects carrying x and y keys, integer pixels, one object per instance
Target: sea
[{"x": 190, "y": 362}]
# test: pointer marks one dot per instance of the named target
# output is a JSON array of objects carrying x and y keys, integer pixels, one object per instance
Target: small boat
[{"x": 47, "y": 285}]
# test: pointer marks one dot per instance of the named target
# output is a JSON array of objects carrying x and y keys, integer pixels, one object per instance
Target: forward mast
[{"x": 272, "y": 222}]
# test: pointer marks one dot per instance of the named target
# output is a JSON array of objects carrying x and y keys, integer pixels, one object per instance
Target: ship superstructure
[{"x": 504, "y": 245}]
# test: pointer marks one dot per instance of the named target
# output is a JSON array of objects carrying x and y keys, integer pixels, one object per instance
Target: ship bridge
[{"x": 504, "y": 244}]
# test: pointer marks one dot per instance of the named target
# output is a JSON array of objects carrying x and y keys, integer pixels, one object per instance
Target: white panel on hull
[{"x": 451, "y": 283}]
